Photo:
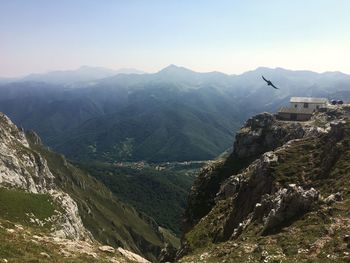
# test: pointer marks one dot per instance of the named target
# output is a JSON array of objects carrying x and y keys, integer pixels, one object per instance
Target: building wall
[
  {"x": 288, "y": 116},
  {"x": 301, "y": 105},
  {"x": 283, "y": 116},
  {"x": 303, "y": 117}
]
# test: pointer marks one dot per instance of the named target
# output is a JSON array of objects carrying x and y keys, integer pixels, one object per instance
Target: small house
[
  {"x": 308, "y": 103},
  {"x": 301, "y": 108}
]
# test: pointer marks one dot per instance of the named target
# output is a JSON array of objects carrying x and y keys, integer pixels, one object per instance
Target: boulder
[
  {"x": 332, "y": 198},
  {"x": 107, "y": 249}
]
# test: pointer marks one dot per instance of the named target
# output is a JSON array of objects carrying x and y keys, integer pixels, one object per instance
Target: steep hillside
[
  {"x": 41, "y": 193},
  {"x": 282, "y": 196},
  {"x": 159, "y": 194},
  {"x": 109, "y": 220}
]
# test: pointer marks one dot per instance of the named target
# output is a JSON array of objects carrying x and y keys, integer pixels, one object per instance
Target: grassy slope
[{"x": 14, "y": 205}]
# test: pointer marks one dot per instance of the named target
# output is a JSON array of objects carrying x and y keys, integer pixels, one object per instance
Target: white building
[
  {"x": 308, "y": 103},
  {"x": 301, "y": 108}
]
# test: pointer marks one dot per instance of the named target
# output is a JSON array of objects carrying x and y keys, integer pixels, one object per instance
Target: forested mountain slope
[{"x": 174, "y": 114}]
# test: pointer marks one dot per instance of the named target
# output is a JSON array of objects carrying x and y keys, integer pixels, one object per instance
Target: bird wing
[
  {"x": 264, "y": 78},
  {"x": 274, "y": 86}
]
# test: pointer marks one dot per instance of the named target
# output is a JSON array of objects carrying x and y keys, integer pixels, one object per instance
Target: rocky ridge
[{"x": 280, "y": 176}]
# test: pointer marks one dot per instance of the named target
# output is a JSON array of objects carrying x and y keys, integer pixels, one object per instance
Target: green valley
[{"x": 158, "y": 190}]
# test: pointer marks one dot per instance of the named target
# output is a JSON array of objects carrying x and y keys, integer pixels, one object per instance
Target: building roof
[
  {"x": 308, "y": 100},
  {"x": 296, "y": 110}
]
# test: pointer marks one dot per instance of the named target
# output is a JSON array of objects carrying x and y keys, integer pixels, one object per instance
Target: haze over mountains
[
  {"x": 106, "y": 122},
  {"x": 175, "y": 114},
  {"x": 82, "y": 74}
]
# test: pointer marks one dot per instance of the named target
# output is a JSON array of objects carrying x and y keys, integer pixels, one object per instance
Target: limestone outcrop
[
  {"x": 25, "y": 169},
  {"x": 262, "y": 133}
]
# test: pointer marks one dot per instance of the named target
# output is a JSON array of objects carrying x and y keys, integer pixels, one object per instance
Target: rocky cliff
[
  {"x": 281, "y": 196},
  {"x": 25, "y": 169},
  {"x": 51, "y": 211}
]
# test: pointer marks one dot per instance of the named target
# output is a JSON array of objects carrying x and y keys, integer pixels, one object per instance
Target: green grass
[{"x": 14, "y": 204}]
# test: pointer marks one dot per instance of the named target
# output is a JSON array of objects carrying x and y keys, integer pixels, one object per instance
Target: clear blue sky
[{"x": 224, "y": 35}]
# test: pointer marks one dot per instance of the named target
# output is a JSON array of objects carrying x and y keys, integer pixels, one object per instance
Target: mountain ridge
[
  {"x": 183, "y": 105},
  {"x": 271, "y": 199}
]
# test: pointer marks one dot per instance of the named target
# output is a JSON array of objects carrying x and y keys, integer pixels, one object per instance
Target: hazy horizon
[
  {"x": 226, "y": 36},
  {"x": 152, "y": 72}
]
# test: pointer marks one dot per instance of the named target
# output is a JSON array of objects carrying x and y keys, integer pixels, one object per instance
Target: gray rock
[
  {"x": 262, "y": 133},
  {"x": 333, "y": 198},
  {"x": 107, "y": 249},
  {"x": 230, "y": 187},
  {"x": 285, "y": 205}
]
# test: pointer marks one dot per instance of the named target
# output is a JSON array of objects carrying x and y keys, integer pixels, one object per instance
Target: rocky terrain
[
  {"x": 282, "y": 195},
  {"x": 50, "y": 211}
]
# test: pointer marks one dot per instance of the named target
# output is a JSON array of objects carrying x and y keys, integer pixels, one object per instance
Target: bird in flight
[{"x": 269, "y": 83}]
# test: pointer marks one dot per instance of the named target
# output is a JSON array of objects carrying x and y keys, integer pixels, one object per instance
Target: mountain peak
[{"x": 175, "y": 69}]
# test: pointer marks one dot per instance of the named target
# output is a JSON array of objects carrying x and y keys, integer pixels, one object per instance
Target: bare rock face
[
  {"x": 19, "y": 166},
  {"x": 286, "y": 204},
  {"x": 25, "y": 169},
  {"x": 230, "y": 187},
  {"x": 68, "y": 224},
  {"x": 253, "y": 183},
  {"x": 257, "y": 197},
  {"x": 262, "y": 133}
]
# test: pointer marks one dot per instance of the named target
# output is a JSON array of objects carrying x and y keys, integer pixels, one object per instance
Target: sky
[{"x": 230, "y": 36}]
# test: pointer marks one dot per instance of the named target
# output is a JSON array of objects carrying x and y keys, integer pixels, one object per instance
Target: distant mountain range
[
  {"x": 70, "y": 77},
  {"x": 175, "y": 114}
]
